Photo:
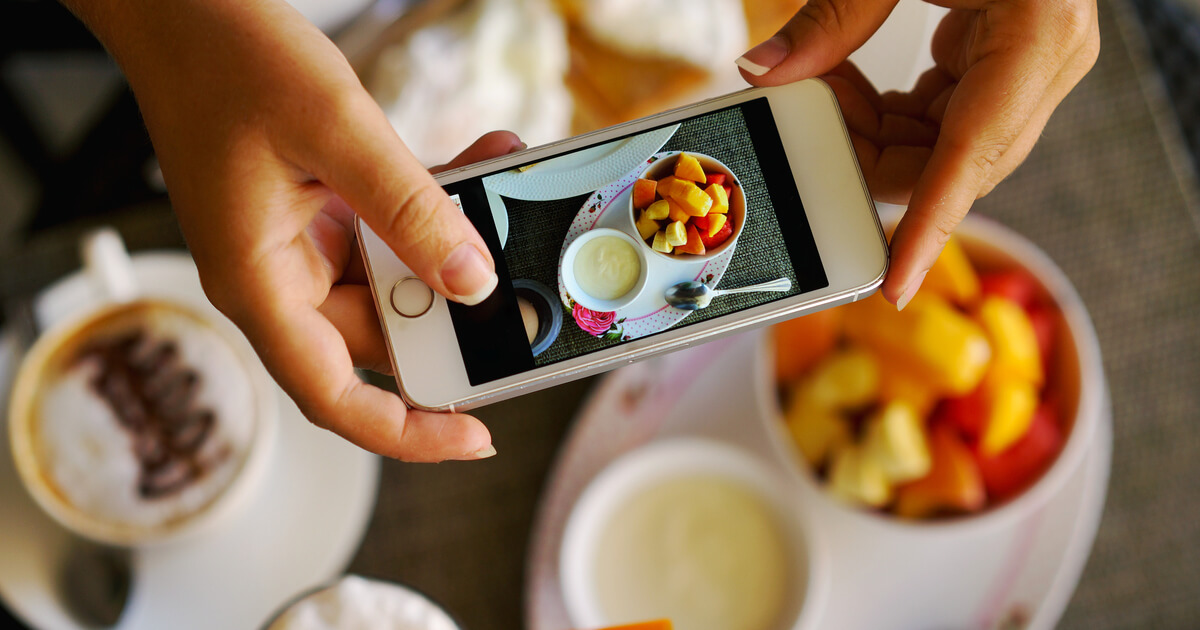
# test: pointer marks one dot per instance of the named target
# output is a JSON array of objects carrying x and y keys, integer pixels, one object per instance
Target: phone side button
[{"x": 411, "y": 297}]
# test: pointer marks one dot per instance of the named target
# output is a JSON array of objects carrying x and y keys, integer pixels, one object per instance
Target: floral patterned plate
[{"x": 609, "y": 207}]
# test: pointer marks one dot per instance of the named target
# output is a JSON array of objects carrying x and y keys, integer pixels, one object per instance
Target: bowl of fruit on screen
[
  {"x": 688, "y": 207},
  {"x": 973, "y": 404}
]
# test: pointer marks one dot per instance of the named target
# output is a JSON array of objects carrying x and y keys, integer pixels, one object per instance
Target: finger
[
  {"x": 306, "y": 354},
  {"x": 857, "y": 110},
  {"x": 356, "y": 152},
  {"x": 896, "y": 173},
  {"x": 820, "y": 36},
  {"x": 850, "y": 72},
  {"x": 489, "y": 145},
  {"x": 351, "y": 310}
]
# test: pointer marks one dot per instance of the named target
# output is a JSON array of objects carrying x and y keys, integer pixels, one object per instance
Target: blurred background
[{"x": 1110, "y": 193}]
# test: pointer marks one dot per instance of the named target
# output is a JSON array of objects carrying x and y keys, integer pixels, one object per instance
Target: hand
[
  {"x": 269, "y": 145},
  {"x": 1001, "y": 67}
]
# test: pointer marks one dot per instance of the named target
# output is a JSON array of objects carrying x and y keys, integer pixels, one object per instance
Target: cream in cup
[{"x": 604, "y": 269}]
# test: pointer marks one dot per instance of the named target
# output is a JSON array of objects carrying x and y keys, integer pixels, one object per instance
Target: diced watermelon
[
  {"x": 714, "y": 178},
  {"x": 1016, "y": 285},
  {"x": 720, "y": 237},
  {"x": 1014, "y": 469}
]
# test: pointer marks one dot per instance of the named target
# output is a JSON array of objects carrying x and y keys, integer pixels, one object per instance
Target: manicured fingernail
[
  {"x": 520, "y": 147},
  {"x": 760, "y": 59},
  {"x": 910, "y": 291},
  {"x": 468, "y": 275},
  {"x": 485, "y": 452}
]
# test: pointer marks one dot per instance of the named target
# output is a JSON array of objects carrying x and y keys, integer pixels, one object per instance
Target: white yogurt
[
  {"x": 607, "y": 267},
  {"x": 355, "y": 603}
]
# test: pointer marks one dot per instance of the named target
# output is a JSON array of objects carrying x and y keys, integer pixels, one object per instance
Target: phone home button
[{"x": 411, "y": 297}]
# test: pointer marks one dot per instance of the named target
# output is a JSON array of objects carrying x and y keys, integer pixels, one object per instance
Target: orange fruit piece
[
  {"x": 659, "y": 624},
  {"x": 801, "y": 342}
]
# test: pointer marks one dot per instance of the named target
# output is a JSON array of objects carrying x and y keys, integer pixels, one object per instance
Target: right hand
[{"x": 270, "y": 146}]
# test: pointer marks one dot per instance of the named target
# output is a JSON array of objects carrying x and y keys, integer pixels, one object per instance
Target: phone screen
[{"x": 529, "y": 215}]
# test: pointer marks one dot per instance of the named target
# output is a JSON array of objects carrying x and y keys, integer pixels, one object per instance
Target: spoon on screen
[{"x": 693, "y": 296}]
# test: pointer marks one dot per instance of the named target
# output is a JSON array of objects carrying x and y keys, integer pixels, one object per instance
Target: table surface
[{"x": 1109, "y": 192}]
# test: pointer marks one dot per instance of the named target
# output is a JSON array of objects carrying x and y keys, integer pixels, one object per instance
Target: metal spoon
[{"x": 693, "y": 296}]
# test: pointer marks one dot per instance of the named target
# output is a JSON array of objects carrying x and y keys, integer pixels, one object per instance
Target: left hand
[{"x": 1001, "y": 68}]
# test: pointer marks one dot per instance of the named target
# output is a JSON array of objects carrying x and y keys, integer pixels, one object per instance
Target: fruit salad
[
  {"x": 941, "y": 409},
  {"x": 686, "y": 212}
]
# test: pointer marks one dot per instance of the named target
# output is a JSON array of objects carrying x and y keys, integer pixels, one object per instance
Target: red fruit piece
[
  {"x": 1013, "y": 470},
  {"x": 1016, "y": 285},
  {"x": 1045, "y": 329},
  {"x": 965, "y": 413},
  {"x": 721, "y": 236},
  {"x": 701, "y": 223},
  {"x": 952, "y": 485},
  {"x": 714, "y": 178}
]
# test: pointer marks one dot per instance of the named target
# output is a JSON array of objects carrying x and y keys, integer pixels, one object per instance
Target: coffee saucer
[{"x": 301, "y": 528}]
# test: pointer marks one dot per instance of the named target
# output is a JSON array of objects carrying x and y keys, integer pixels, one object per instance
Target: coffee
[{"x": 140, "y": 417}]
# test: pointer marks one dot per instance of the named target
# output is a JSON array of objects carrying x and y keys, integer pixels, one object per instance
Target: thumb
[
  {"x": 365, "y": 163},
  {"x": 820, "y": 36}
]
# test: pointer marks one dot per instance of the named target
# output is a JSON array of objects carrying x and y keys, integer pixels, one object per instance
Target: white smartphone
[{"x": 587, "y": 255}]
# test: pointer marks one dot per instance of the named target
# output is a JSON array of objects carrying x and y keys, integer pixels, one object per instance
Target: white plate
[
  {"x": 301, "y": 529},
  {"x": 581, "y": 172},
  {"x": 882, "y": 577}
]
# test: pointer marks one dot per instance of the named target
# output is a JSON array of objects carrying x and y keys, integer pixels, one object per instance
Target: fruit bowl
[
  {"x": 991, "y": 468},
  {"x": 697, "y": 220}
]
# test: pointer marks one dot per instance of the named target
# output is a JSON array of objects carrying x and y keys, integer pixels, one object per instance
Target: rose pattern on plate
[{"x": 595, "y": 323}]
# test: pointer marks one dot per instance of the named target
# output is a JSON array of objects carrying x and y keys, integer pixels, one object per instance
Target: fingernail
[
  {"x": 910, "y": 291},
  {"x": 520, "y": 147},
  {"x": 468, "y": 275},
  {"x": 486, "y": 452},
  {"x": 760, "y": 59}
]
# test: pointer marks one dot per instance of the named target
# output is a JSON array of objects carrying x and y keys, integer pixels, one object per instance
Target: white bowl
[
  {"x": 737, "y": 203},
  {"x": 572, "y": 284},
  {"x": 1078, "y": 370},
  {"x": 677, "y": 458}
]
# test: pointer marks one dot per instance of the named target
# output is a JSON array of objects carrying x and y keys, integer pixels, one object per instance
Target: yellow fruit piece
[
  {"x": 660, "y": 243},
  {"x": 855, "y": 478},
  {"x": 715, "y": 223},
  {"x": 675, "y": 212},
  {"x": 667, "y": 184},
  {"x": 688, "y": 167},
  {"x": 693, "y": 200},
  {"x": 646, "y": 226},
  {"x": 895, "y": 441},
  {"x": 1010, "y": 408},
  {"x": 802, "y": 342},
  {"x": 659, "y": 210},
  {"x": 816, "y": 431},
  {"x": 898, "y": 384},
  {"x": 676, "y": 234},
  {"x": 720, "y": 199},
  {"x": 940, "y": 345},
  {"x": 952, "y": 276},
  {"x": 1015, "y": 351},
  {"x": 845, "y": 380}
]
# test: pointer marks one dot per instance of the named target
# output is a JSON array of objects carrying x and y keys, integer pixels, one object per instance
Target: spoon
[
  {"x": 94, "y": 582},
  {"x": 693, "y": 296}
]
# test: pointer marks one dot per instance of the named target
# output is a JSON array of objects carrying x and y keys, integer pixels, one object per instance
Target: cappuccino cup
[{"x": 141, "y": 419}]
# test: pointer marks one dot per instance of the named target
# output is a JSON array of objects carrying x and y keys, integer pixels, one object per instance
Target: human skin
[
  {"x": 1001, "y": 67},
  {"x": 270, "y": 146}
]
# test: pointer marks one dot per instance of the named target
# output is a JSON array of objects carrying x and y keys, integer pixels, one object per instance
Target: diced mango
[
  {"x": 693, "y": 200},
  {"x": 660, "y": 243},
  {"x": 954, "y": 483},
  {"x": 895, "y": 440},
  {"x": 693, "y": 245},
  {"x": 720, "y": 199},
  {"x": 688, "y": 167},
  {"x": 855, "y": 478},
  {"x": 646, "y": 226},
  {"x": 952, "y": 276},
  {"x": 1008, "y": 412},
  {"x": 817, "y": 431},
  {"x": 667, "y": 184},
  {"x": 715, "y": 223},
  {"x": 939, "y": 344},
  {"x": 675, "y": 212},
  {"x": 659, "y": 210},
  {"x": 903, "y": 385},
  {"x": 802, "y": 341},
  {"x": 846, "y": 380},
  {"x": 677, "y": 234},
  {"x": 1015, "y": 352},
  {"x": 643, "y": 193}
]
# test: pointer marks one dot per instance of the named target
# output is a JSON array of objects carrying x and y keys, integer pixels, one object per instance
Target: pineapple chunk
[
  {"x": 856, "y": 478},
  {"x": 677, "y": 234},
  {"x": 688, "y": 167},
  {"x": 675, "y": 212},
  {"x": 895, "y": 441},
  {"x": 667, "y": 185},
  {"x": 659, "y": 210},
  {"x": 720, "y": 200},
  {"x": 646, "y": 226},
  {"x": 693, "y": 200},
  {"x": 817, "y": 431},
  {"x": 661, "y": 244},
  {"x": 846, "y": 380}
]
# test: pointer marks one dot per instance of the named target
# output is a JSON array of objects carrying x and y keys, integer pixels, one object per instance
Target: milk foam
[
  {"x": 355, "y": 603},
  {"x": 88, "y": 456}
]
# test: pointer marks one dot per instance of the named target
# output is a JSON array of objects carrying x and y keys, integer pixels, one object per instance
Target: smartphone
[{"x": 754, "y": 187}]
